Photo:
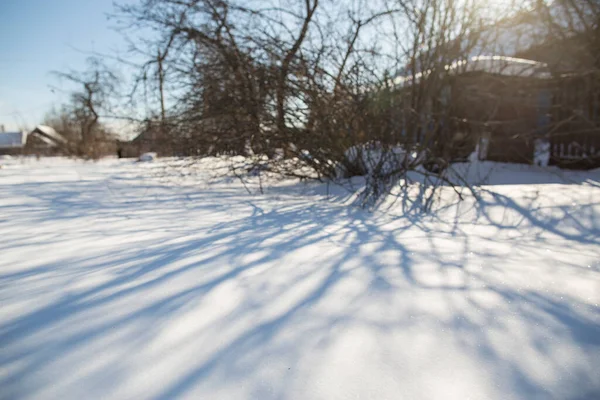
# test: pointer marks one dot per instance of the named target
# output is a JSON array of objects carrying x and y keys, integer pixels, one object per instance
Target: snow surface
[
  {"x": 124, "y": 280},
  {"x": 148, "y": 157}
]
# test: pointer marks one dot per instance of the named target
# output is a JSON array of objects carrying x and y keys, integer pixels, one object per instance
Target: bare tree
[
  {"x": 348, "y": 88},
  {"x": 87, "y": 105}
]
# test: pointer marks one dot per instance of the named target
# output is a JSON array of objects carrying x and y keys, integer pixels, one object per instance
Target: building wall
[
  {"x": 503, "y": 109},
  {"x": 36, "y": 146}
]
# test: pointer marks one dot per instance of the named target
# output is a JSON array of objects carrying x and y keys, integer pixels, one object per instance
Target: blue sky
[{"x": 40, "y": 36}]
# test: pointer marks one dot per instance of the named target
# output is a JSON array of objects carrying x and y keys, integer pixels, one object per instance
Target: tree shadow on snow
[{"x": 304, "y": 272}]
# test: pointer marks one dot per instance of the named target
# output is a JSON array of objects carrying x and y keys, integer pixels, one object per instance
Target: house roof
[
  {"x": 49, "y": 135},
  {"x": 11, "y": 140},
  {"x": 520, "y": 33},
  {"x": 508, "y": 66},
  {"x": 501, "y": 65}
]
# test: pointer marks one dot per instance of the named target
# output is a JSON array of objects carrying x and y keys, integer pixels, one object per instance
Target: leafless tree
[
  {"x": 88, "y": 102},
  {"x": 354, "y": 87}
]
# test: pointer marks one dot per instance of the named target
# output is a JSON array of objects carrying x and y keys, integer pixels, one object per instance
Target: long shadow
[{"x": 274, "y": 232}]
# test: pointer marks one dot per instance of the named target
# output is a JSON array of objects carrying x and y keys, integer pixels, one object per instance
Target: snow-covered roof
[
  {"x": 45, "y": 139},
  {"x": 49, "y": 133},
  {"x": 10, "y": 140},
  {"x": 501, "y": 65}
]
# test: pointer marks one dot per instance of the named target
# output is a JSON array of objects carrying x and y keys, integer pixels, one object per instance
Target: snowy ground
[{"x": 116, "y": 283}]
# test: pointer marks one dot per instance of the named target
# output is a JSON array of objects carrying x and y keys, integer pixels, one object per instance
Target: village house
[
  {"x": 526, "y": 98},
  {"x": 43, "y": 140}
]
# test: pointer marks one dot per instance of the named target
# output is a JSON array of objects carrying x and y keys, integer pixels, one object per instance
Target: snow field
[{"x": 124, "y": 280}]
